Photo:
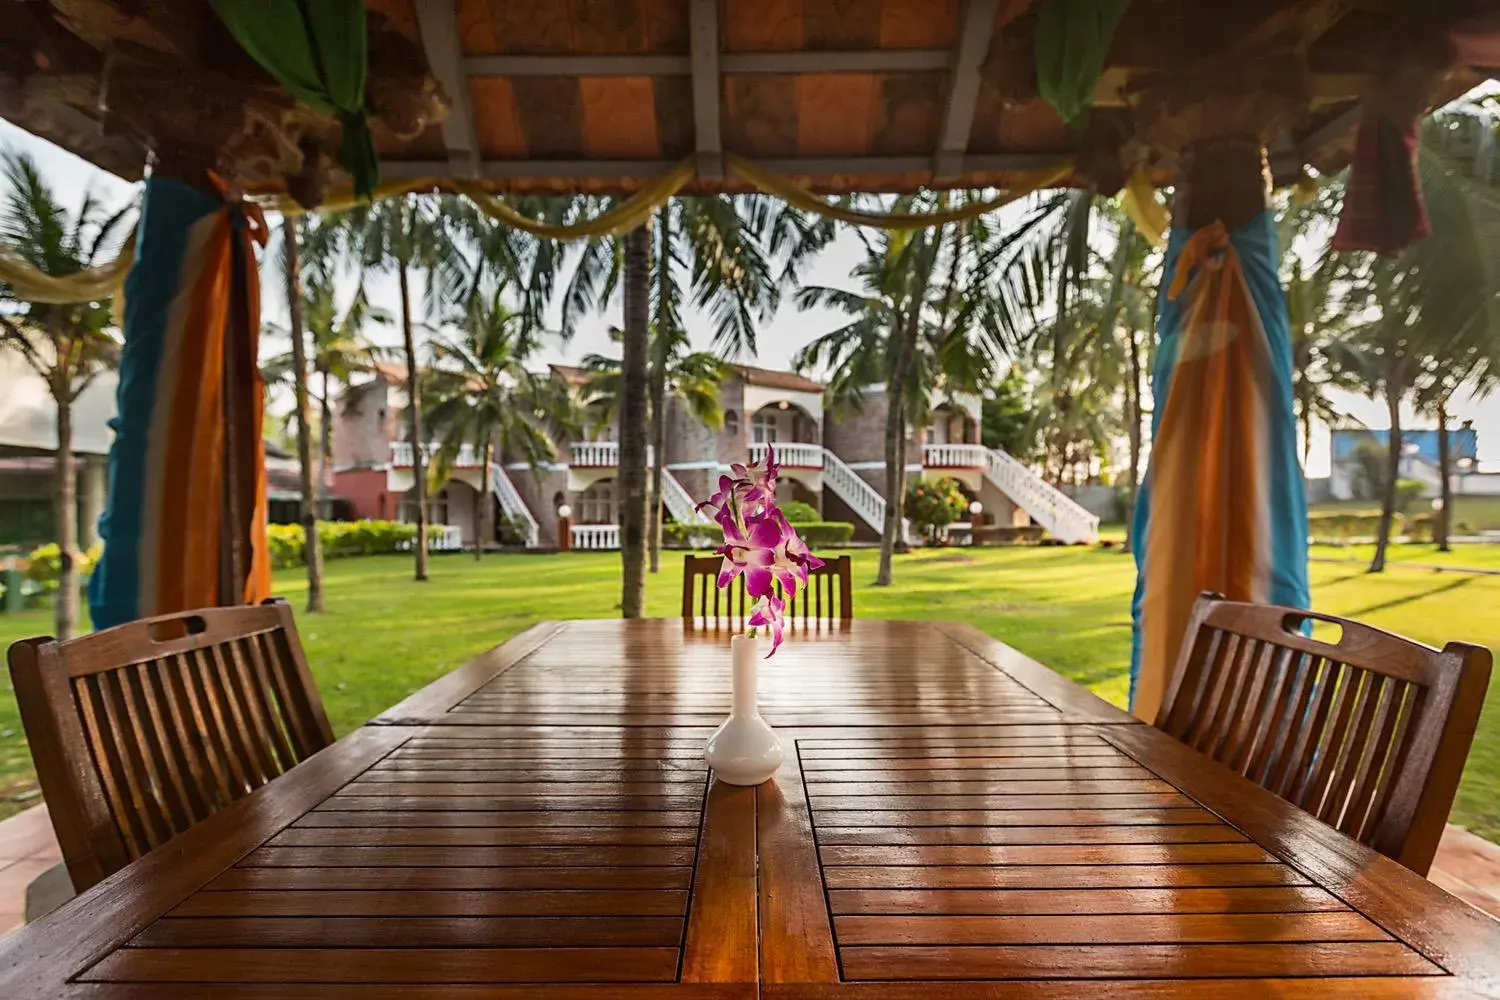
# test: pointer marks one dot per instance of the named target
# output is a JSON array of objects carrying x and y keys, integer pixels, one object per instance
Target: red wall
[{"x": 366, "y": 492}]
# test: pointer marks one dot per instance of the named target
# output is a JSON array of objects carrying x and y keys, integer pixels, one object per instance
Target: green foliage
[
  {"x": 934, "y": 505},
  {"x": 1006, "y": 422},
  {"x": 45, "y": 564},
  {"x": 1369, "y": 477},
  {"x": 339, "y": 539},
  {"x": 1419, "y": 528},
  {"x": 817, "y": 534},
  {"x": 1072, "y": 41},
  {"x": 1346, "y": 525},
  {"x": 1005, "y": 534},
  {"x": 797, "y": 512},
  {"x": 1408, "y": 492}
]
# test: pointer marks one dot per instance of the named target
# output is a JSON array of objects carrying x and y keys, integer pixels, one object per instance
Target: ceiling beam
[
  {"x": 847, "y": 61},
  {"x": 703, "y": 25},
  {"x": 793, "y": 166},
  {"x": 438, "y": 22},
  {"x": 963, "y": 86}
]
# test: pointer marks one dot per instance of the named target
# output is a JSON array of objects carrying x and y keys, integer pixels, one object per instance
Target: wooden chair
[
  {"x": 1368, "y": 733},
  {"x": 829, "y": 595},
  {"x": 142, "y": 730}
]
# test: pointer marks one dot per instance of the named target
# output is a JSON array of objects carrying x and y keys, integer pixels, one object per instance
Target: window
[
  {"x": 731, "y": 422},
  {"x": 437, "y": 508},
  {"x": 596, "y": 505},
  {"x": 765, "y": 428}
]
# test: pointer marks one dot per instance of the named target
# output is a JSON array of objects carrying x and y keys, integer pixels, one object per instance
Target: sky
[{"x": 778, "y": 339}]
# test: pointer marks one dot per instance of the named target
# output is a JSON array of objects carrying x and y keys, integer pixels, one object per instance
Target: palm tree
[
  {"x": 730, "y": 257},
  {"x": 925, "y": 323},
  {"x": 339, "y": 351},
  {"x": 312, "y": 550},
  {"x": 402, "y": 234},
  {"x": 633, "y": 405},
  {"x": 67, "y": 345},
  {"x": 479, "y": 392},
  {"x": 1432, "y": 307}
]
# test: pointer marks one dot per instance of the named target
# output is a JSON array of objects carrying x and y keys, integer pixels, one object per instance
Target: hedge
[
  {"x": 45, "y": 563},
  {"x": 340, "y": 539},
  {"x": 707, "y": 536},
  {"x": 1004, "y": 534}
]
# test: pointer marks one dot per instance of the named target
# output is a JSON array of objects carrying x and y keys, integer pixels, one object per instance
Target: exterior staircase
[
  {"x": 679, "y": 502},
  {"x": 1068, "y": 521},
  {"x": 861, "y": 497},
  {"x": 512, "y": 504}
]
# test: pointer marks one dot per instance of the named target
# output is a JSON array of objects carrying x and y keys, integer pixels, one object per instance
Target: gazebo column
[
  {"x": 1222, "y": 508},
  {"x": 184, "y": 521}
]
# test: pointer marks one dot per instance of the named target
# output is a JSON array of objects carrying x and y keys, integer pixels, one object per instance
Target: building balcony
[
  {"x": 401, "y": 455},
  {"x": 790, "y": 454},
  {"x": 955, "y": 456},
  {"x": 595, "y": 454}
]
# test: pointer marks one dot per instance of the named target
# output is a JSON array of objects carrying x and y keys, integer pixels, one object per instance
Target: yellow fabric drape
[
  {"x": 778, "y": 184},
  {"x": 105, "y": 281},
  {"x": 1148, "y": 214},
  {"x": 34, "y": 285},
  {"x": 629, "y": 214}
]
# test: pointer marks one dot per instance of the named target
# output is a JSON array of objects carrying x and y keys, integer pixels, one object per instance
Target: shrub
[
  {"x": 998, "y": 534},
  {"x": 1420, "y": 527},
  {"x": 339, "y": 540},
  {"x": 935, "y": 505},
  {"x": 826, "y": 534},
  {"x": 46, "y": 565},
  {"x": 1344, "y": 525},
  {"x": 797, "y": 512},
  {"x": 691, "y": 536},
  {"x": 1408, "y": 492},
  {"x": 708, "y": 536}
]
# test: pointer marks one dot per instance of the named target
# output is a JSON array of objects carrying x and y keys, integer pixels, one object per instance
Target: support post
[{"x": 1223, "y": 507}]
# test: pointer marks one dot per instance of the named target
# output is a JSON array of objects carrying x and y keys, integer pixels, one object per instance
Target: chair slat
[
  {"x": 142, "y": 730},
  {"x": 702, "y": 599},
  {"x": 1368, "y": 733}
]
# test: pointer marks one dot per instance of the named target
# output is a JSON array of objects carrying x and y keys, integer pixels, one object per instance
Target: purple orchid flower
[{"x": 760, "y": 543}]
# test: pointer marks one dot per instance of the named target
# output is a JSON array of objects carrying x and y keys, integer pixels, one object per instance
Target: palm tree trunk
[
  {"x": 482, "y": 530},
  {"x": 1133, "y": 414},
  {"x": 414, "y": 421},
  {"x": 633, "y": 429},
  {"x": 325, "y": 459},
  {"x": 312, "y": 551},
  {"x": 1392, "y": 470},
  {"x": 65, "y": 604},
  {"x": 658, "y": 384},
  {"x": 1442, "y": 524}
]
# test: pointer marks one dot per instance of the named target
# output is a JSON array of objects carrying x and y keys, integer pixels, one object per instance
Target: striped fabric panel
[
  {"x": 1223, "y": 508},
  {"x": 162, "y": 526}
]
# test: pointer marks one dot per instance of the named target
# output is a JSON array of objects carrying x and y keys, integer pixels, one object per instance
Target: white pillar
[{"x": 92, "y": 490}]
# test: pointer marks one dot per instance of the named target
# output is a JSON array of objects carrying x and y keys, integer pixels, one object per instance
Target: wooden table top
[{"x": 952, "y": 820}]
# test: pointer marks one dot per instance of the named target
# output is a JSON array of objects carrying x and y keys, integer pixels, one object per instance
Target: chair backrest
[
  {"x": 142, "y": 730},
  {"x": 828, "y": 596},
  {"x": 1369, "y": 732}
]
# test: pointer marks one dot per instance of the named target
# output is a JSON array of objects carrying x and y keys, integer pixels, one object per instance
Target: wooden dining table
[{"x": 952, "y": 820}]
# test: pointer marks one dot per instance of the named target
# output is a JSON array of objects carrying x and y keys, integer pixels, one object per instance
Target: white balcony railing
[
  {"x": 596, "y": 536},
  {"x": 444, "y": 538},
  {"x": 596, "y": 453},
  {"x": 796, "y": 454},
  {"x": 401, "y": 455},
  {"x": 955, "y": 456}
]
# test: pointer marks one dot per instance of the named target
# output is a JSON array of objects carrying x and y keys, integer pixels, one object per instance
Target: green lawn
[{"x": 385, "y": 635}]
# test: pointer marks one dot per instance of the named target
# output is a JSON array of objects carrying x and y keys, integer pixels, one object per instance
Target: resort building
[{"x": 831, "y": 458}]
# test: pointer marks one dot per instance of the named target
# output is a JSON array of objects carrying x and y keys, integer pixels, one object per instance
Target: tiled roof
[
  {"x": 571, "y": 374},
  {"x": 773, "y": 379}
]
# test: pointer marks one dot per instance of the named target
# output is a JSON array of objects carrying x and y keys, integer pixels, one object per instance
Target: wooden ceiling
[{"x": 550, "y": 96}]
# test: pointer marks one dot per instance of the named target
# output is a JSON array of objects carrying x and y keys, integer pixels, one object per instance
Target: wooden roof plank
[
  {"x": 438, "y": 20},
  {"x": 703, "y": 41},
  {"x": 963, "y": 86}
]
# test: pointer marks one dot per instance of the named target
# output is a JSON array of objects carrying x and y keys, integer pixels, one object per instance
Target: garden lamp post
[{"x": 564, "y": 528}]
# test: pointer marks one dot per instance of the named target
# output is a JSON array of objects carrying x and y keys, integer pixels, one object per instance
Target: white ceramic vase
[{"x": 744, "y": 750}]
